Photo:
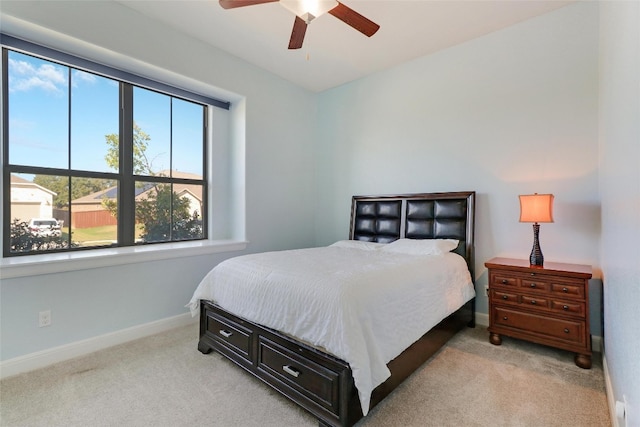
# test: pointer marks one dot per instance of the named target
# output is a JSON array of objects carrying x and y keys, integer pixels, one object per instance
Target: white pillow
[
  {"x": 358, "y": 244},
  {"x": 421, "y": 246}
]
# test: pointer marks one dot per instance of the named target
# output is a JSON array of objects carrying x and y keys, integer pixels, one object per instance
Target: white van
[{"x": 45, "y": 227}]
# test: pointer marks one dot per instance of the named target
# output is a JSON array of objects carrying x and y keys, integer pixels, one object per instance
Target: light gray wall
[
  {"x": 513, "y": 112},
  {"x": 278, "y": 175},
  {"x": 620, "y": 193}
]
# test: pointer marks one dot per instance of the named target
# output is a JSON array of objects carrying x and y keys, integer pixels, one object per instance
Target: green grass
[
  {"x": 97, "y": 235},
  {"x": 105, "y": 232}
]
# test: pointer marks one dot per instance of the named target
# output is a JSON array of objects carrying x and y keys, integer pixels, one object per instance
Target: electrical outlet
[
  {"x": 621, "y": 412},
  {"x": 44, "y": 318},
  {"x": 486, "y": 290}
]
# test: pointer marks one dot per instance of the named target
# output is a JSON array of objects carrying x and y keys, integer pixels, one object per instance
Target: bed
[{"x": 302, "y": 361}]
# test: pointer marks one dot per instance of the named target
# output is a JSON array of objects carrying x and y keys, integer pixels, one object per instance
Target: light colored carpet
[{"x": 164, "y": 381}]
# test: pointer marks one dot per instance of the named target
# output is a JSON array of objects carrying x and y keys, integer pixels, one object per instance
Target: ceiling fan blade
[
  {"x": 354, "y": 19},
  {"x": 231, "y": 4},
  {"x": 297, "y": 34}
]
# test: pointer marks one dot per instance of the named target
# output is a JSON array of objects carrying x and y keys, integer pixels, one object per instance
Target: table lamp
[{"x": 536, "y": 208}]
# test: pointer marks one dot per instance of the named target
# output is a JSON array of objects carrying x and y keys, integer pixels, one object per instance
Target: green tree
[
  {"x": 166, "y": 216},
  {"x": 141, "y": 164},
  {"x": 79, "y": 187},
  {"x": 163, "y": 214},
  {"x": 57, "y": 184}
]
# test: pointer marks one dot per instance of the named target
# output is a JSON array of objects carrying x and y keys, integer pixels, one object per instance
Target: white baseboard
[
  {"x": 47, "y": 357},
  {"x": 482, "y": 319},
  {"x": 611, "y": 401},
  {"x": 596, "y": 344}
]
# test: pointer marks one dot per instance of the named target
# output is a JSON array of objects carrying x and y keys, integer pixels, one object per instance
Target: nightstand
[{"x": 547, "y": 305}]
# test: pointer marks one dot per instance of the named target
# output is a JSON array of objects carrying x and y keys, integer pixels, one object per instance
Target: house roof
[
  {"x": 17, "y": 181},
  {"x": 141, "y": 192}
]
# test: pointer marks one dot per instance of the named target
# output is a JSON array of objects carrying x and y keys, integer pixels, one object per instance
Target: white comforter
[{"x": 363, "y": 305}]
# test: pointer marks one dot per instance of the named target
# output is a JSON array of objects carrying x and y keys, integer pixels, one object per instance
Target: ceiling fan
[{"x": 307, "y": 10}]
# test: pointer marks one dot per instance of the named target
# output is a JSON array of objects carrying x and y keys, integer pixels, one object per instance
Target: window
[{"x": 93, "y": 161}]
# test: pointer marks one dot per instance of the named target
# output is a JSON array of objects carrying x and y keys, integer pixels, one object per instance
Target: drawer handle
[
  {"x": 533, "y": 302},
  {"x": 565, "y": 290},
  {"x": 505, "y": 297},
  {"x": 566, "y": 331},
  {"x": 505, "y": 281},
  {"x": 565, "y": 307},
  {"x": 225, "y": 334},
  {"x": 533, "y": 285},
  {"x": 291, "y": 371},
  {"x": 504, "y": 318}
]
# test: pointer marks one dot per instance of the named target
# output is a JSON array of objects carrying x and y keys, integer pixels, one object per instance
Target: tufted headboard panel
[
  {"x": 416, "y": 216},
  {"x": 377, "y": 220}
]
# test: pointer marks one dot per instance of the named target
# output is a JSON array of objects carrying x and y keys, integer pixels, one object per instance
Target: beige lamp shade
[{"x": 536, "y": 208}]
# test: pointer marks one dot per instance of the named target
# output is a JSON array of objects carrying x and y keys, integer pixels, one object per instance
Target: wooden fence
[{"x": 91, "y": 219}]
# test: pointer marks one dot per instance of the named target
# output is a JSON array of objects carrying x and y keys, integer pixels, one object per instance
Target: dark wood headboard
[{"x": 417, "y": 216}]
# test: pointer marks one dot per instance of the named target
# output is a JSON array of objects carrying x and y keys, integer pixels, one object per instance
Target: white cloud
[
  {"x": 52, "y": 73},
  {"x": 21, "y": 67},
  {"x": 23, "y": 76},
  {"x": 84, "y": 77},
  {"x": 34, "y": 82}
]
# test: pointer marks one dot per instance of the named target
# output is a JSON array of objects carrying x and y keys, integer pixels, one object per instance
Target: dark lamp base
[
  {"x": 537, "y": 260},
  {"x": 536, "y": 257}
]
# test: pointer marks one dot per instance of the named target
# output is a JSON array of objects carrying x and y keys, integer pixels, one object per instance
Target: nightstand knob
[
  {"x": 504, "y": 318},
  {"x": 505, "y": 297},
  {"x": 565, "y": 307},
  {"x": 533, "y": 302},
  {"x": 565, "y": 290},
  {"x": 566, "y": 331},
  {"x": 505, "y": 281},
  {"x": 533, "y": 285}
]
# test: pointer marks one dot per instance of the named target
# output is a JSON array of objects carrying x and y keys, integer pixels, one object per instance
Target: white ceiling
[{"x": 334, "y": 53}]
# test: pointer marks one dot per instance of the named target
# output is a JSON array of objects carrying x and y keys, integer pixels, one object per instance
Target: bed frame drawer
[
  {"x": 298, "y": 372},
  {"x": 323, "y": 386},
  {"x": 231, "y": 335}
]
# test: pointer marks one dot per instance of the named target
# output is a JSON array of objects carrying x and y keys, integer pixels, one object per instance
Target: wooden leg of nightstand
[
  {"x": 495, "y": 339},
  {"x": 583, "y": 361}
]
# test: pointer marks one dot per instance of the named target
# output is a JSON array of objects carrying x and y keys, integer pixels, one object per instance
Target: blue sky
[{"x": 40, "y": 106}]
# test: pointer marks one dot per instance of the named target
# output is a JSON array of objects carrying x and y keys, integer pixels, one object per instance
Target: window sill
[{"x": 35, "y": 265}]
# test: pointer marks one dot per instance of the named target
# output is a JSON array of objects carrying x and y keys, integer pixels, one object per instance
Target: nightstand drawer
[
  {"x": 567, "y": 307},
  {"x": 568, "y": 289},
  {"x": 505, "y": 280},
  {"x": 566, "y": 330},
  {"x": 535, "y": 302},
  {"x": 533, "y": 284},
  {"x": 500, "y": 297}
]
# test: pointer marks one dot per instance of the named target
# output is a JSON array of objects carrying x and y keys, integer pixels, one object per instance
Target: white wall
[
  {"x": 272, "y": 163},
  {"x": 513, "y": 112},
  {"x": 620, "y": 192}
]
